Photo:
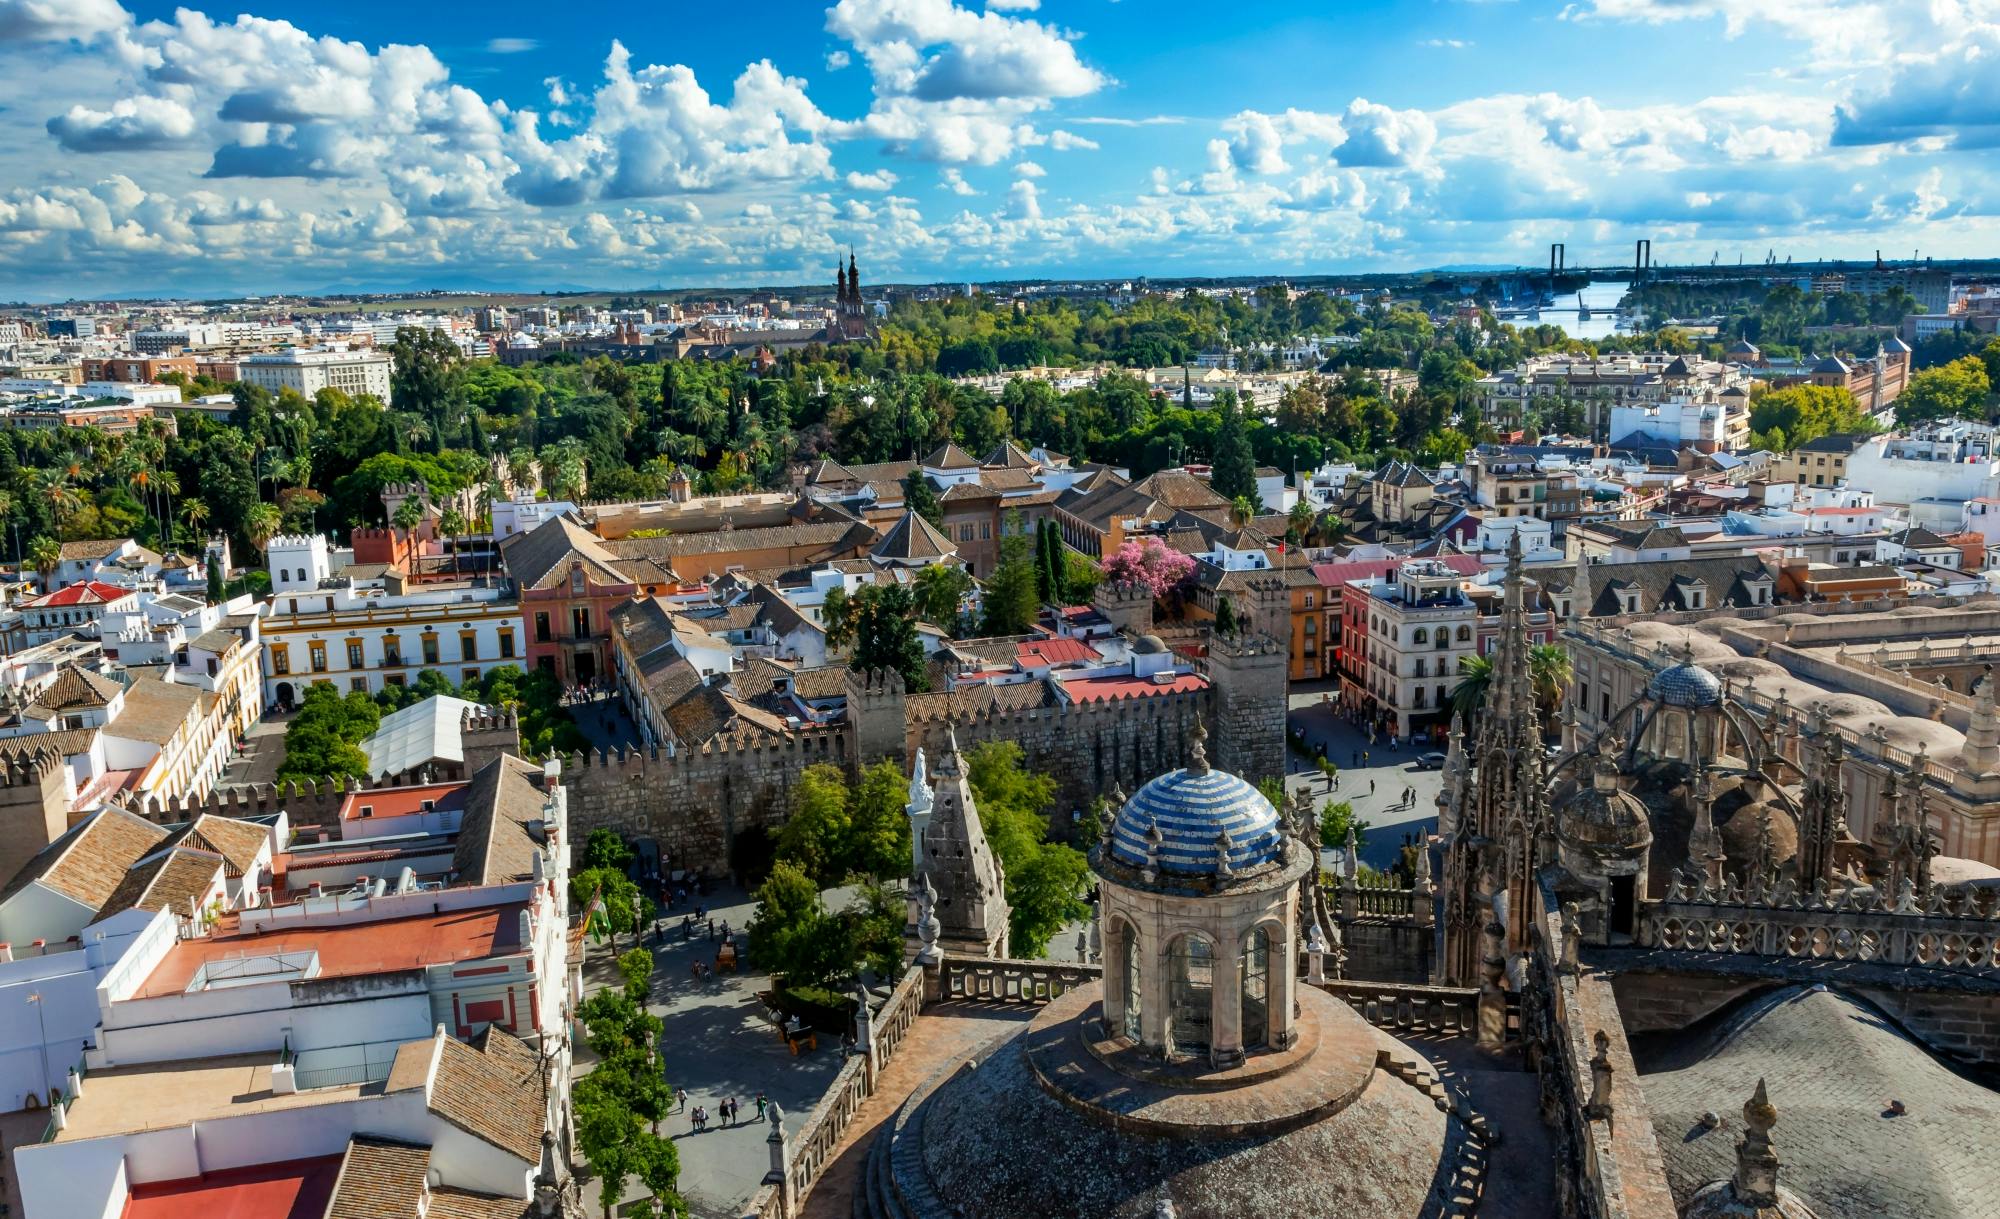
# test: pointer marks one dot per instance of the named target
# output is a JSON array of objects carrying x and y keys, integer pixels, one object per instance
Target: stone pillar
[
  {"x": 1284, "y": 987},
  {"x": 1492, "y": 996},
  {"x": 864, "y": 1035},
  {"x": 780, "y": 1173},
  {"x": 1225, "y": 1033}
]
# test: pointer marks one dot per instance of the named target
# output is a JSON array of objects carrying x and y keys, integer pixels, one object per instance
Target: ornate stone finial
[
  {"x": 1599, "y": 1105},
  {"x": 1350, "y": 866},
  {"x": 1425, "y": 884},
  {"x": 1198, "y": 750},
  {"x": 928, "y": 926},
  {"x": 1222, "y": 848},
  {"x": 1572, "y": 933},
  {"x": 1756, "y": 1179},
  {"x": 776, "y": 1117},
  {"x": 1154, "y": 841}
]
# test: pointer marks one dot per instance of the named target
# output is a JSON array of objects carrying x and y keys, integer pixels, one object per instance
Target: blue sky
[{"x": 367, "y": 144}]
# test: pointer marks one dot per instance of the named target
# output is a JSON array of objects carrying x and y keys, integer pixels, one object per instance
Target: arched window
[
  {"x": 1128, "y": 949},
  {"x": 1256, "y": 988},
  {"x": 1464, "y": 634},
  {"x": 1422, "y": 636},
  {"x": 1190, "y": 995}
]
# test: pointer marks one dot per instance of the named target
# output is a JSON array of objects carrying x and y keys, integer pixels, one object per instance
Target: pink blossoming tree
[{"x": 1150, "y": 564}]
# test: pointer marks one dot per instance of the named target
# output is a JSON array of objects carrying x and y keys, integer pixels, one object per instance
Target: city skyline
[{"x": 293, "y": 148}]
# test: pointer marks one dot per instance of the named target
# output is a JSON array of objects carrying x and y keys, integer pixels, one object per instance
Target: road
[{"x": 1375, "y": 787}]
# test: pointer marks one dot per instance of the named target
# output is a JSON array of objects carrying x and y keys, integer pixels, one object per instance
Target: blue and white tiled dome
[
  {"x": 1192, "y": 808},
  {"x": 1686, "y": 685}
]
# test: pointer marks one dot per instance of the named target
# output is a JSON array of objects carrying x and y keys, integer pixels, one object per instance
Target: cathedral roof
[
  {"x": 1192, "y": 810},
  {"x": 1601, "y": 819}
]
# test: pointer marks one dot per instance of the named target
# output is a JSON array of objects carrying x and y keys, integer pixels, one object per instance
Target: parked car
[{"x": 1431, "y": 761}]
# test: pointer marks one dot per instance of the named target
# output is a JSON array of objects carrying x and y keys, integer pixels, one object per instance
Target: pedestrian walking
[
  {"x": 1371, "y": 787},
  {"x": 1364, "y": 762},
  {"x": 698, "y": 1120}
]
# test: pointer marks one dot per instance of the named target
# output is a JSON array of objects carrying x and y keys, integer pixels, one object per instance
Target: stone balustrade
[
  {"x": 1010, "y": 981},
  {"x": 813, "y": 1147},
  {"x": 1384, "y": 902},
  {"x": 1449, "y": 1011},
  {"x": 1946, "y": 929}
]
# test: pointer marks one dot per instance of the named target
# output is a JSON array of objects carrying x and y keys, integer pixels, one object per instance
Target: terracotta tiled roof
[
  {"x": 168, "y": 879},
  {"x": 379, "y": 1180},
  {"x": 913, "y": 537},
  {"x": 93, "y": 548},
  {"x": 949, "y": 456},
  {"x": 493, "y": 1090},
  {"x": 238, "y": 842},
  {"x": 87, "y": 863},
  {"x": 542, "y": 557},
  {"x": 494, "y": 845},
  {"x": 154, "y": 711},
  {"x": 833, "y": 535},
  {"x": 449, "y": 1203},
  {"x": 74, "y": 688}
]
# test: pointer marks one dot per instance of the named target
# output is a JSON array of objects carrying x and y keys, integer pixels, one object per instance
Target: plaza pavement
[
  {"x": 1391, "y": 770},
  {"x": 716, "y": 1044}
]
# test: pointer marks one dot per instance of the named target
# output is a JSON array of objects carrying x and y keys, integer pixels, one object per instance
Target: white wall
[
  {"x": 242, "y": 1019},
  {"x": 85, "y": 1179}
]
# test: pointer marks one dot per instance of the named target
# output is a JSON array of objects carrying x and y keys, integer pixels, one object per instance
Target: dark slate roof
[
  {"x": 1404, "y": 474},
  {"x": 1896, "y": 346},
  {"x": 1679, "y": 368},
  {"x": 1918, "y": 537},
  {"x": 1726, "y": 581},
  {"x": 1837, "y": 442},
  {"x": 1831, "y": 1065},
  {"x": 1833, "y": 364},
  {"x": 913, "y": 538}
]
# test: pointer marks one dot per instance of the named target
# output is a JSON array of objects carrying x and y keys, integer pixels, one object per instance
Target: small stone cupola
[
  {"x": 1199, "y": 906},
  {"x": 1603, "y": 837}
]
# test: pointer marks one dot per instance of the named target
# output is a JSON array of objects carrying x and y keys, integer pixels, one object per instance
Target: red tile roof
[
  {"x": 1100, "y": 689},
  {"x": 292, "y": 1189},
  {"x": 1038, "y": 652},
  {"x": 397, "y": 801},
  {"x": 86, "y": 592},
  {"x": 351, "y": 949}
]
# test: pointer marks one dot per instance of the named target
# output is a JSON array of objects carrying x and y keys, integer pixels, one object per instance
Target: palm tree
[
  {"x": 44, "y": 555},
  {"x": 1475, "y": 676},
  {"x": 452, "y": 523},
  {"x": 262, "y": 523},
  {"x": 167, "y": 483},
  {"x": 1241, "y": 510},
  {"x": 1549, "y": 671},
  {"x": 55, "y": 491},
  {"x": 1303, "y": 518},
  {"x": 195, "y": 513},
  {"x": 521, "y": 467}
]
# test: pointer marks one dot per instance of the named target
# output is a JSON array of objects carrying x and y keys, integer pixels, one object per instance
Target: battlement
[
  {"x": 26, "y": 764},
  {"x": 503, "y": 719},
  {"x": 876, "y": 684}
]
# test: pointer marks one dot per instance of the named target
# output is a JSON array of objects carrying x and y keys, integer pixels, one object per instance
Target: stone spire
[
  {"x": 1512, "y": 697},
  {"x": 1756, "y": 1179},
  {"x": 971, "y": 885},
  {"x": 1198, "y": 750},
  {"x": 1579, "y": 588},
  {"x": 1704, "y": 843}
]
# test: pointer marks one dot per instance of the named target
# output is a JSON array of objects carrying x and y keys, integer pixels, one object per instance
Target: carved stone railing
[
  {"x": 1947, "y": 929},
  {"x": 1373, "y": 902},
  {"x": 1450, "y": 1011},
  {"x": 898, "y": 1016},
  {"x": 1009, "y": 981},
  {"x": 813, "y": 1147}
]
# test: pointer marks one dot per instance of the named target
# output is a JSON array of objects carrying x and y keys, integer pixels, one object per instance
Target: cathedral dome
[
  {"x": 1602, "y": 819},
  {"x": 1743, "y": 833},
  {"x": 1193, "y": 811},
  {"x": 1685, "y": 685}
]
